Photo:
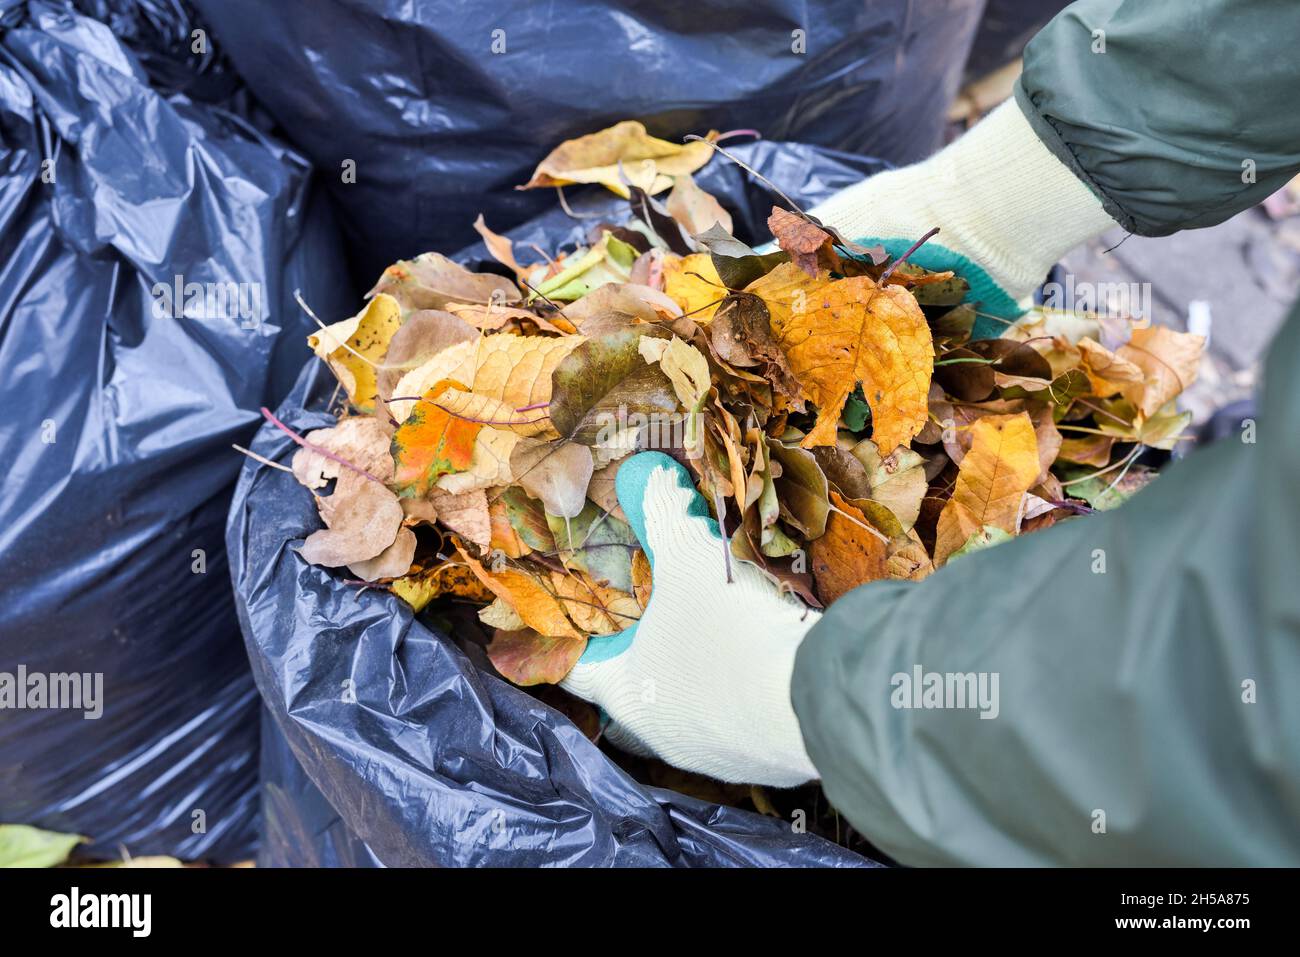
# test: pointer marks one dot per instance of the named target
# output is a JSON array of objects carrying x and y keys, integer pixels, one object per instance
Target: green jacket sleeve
[
  {"x": 1177, "y": 113},
  {"x": 1147, "y": 658}
]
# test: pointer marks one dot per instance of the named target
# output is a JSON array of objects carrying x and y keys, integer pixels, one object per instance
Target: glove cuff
[{"x": 999, "y": 196}]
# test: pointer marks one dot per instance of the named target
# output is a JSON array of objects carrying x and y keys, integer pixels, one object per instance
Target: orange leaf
[
  {"x": 837, "y": 334},
  {"x": 537, "y": 606},
  {"x": 1001, "y": 466},
  {"x": 431, "y": 443},
  {"x": 527, "y": 658},
  {"x": 1169, "y": 361},
  {"x": 847, "y": 555}
]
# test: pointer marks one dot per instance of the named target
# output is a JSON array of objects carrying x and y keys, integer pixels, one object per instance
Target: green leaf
[
  {"x": 856, "y": 412},
  {"x": 596, "y": 542},
  {"x": 985, "y": 537},
  {"x": 604, "y": 381},
  {"x": 802, "y": 489},
  {"x": 737, "y": 264},
  {"x": 24, "y": 846}
]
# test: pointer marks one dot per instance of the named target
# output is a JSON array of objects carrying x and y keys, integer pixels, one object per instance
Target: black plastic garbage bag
[
  {"x": 117, "y": 182},
  {"x": 402, "y": 750},
  {"x": 424, "y": 113}
]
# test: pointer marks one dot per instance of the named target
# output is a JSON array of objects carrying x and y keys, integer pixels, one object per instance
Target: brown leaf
[
  {"x": 695, "y": 208},
  {"x": 361, "y": 440},
  {"x": 423, "y": 334},
  {"x": 847, "y": 555},
  {"x": 501, "y": 248},
  {"x": 1169, "y": 362},
  {"x": 556, "y": 472},
  {"x": 466, "y": 514},
  {"x": 393, "y": 562},
  {"x": 431, "y": 280},
  {"x": 805, "y": 242},
  {"x": 527, "y": 658},
  {"x": 362, "y": 519},
  {"x": 741, "y": 334},
  {"x": 624, "y": 150}
]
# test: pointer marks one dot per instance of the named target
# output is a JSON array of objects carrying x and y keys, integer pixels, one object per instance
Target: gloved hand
[
  {"x": 1006, "y": 208},
  {"x": 702, "y": 681}
]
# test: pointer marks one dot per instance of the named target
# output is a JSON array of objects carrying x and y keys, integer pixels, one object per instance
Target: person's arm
[
  {"x": 1158, "y": 115},
  {"x": 1177, "y": 113},
  {"x": 1146, "y": 662}
]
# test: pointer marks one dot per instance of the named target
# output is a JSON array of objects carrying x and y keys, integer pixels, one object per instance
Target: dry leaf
[
  {"x": 528, "y": 658},
  {"x": 353, "y": 347},
  {"x": 393, "y": 562},
  {"x": 693, "y": 283},
  {"x": 501, "y": 614},
  {"x": 557, "y": 473},
  {"x": 848, "y": 555},
  {"x": 501, "y": 248},
  {"x": 422, "y": 584},
  {"x": 431, "y": 280},
  {"x": 837, "y": 334},
  {"x": 1001, "y": 466},
  {"x": 1169, "y": 362},
  {"x": 508, "y": 380},
  {"x": 1107, "y": 372},
  {"x": 431, "y": 443},
  {"x": 361, "y": 440},
  {"x": 489, "y": 463},
  {"x": 532, "y": 601},
  {"x": 595, "y": 609},
  {"x": 624, "y": 150},
  {"x": 695, "y": 208},
  {"x": 362, "y": 519},
  {"x": 465, "y": 513},
  {"x": 801, "y": 239}
]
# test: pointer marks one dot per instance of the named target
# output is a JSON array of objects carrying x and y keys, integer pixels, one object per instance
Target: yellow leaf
[
  {"x": 1169, "y": 362},
  {"x": 367, "y": 333},
  {"x": 422, "y": 584},
  {"x": 506, "y": 374},
  {"x": 684, "y": 365},
  {"x": 1106, "y": 372},
  {"x": 1001, "y": 466},
  {"x": 694, "y": 284},
  {"x": 595, "y": 609},
  {"x": 839, "y": 333},
  {"x": 646, "y": 161},
  {"x": 535, "y": 604}
]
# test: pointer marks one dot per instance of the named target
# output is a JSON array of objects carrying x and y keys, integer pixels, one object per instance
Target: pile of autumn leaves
[{"x": 831, "y": 405}]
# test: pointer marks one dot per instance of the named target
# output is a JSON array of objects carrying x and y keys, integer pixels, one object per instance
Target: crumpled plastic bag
[{"x": 119, "y": 173}]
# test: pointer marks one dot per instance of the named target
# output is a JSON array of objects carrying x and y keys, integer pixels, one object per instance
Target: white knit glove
[
  {"x": 1006, "y": 208},
  {"x": 702, "y": 681}
]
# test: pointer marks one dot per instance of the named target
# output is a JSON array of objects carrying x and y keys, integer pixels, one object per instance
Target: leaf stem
[
  {"x": 270, "y": 417},
  {"x": 889, "y": 270}
]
